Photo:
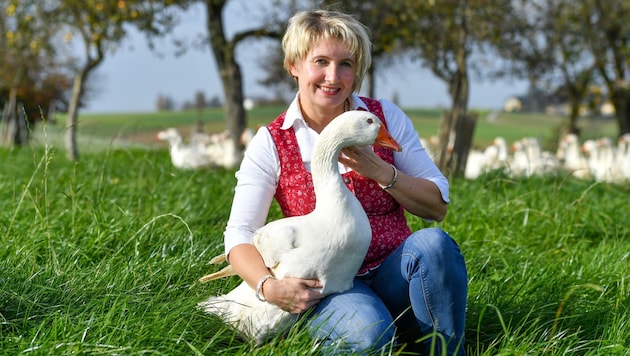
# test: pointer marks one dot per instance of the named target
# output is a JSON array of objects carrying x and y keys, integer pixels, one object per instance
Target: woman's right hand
[{"x": 294, "y": 295}]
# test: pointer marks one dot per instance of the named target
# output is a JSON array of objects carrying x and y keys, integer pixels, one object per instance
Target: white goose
[
  {"x": 529, "y": 159},
  {"x": 184, "y": 156},
  {"x": 570, "y": 154},
  {"x": 623, "y": 155},
  {"x": 328, "y": 244}
]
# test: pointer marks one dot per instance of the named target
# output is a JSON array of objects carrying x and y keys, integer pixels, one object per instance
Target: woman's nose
[{"x": 332, "y": 73}]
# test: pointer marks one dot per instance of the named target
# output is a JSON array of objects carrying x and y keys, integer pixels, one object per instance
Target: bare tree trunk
[
  {"x": 444, "y": 138},
  {"x": 72, "y": 151},
  {"x": 20, "y": 137},
  {"x": 3, "y": 122},
  {"x": 451, "y": 134},
  {"x": 229, "y": 71},
  {"x": 573, "y": 115},
  {"x": 236, "y": 119},
  {"x": 371, "y": 89},
  {"x": 9, "y": 119},
  {"x": 465, "y": 131},
  {"x": 621, "y": 101}
]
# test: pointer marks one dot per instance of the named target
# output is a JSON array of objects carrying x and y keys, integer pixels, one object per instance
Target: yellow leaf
[{"x": 11, "y": 10}]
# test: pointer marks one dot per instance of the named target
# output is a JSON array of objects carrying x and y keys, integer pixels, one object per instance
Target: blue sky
[{"x": 131, "y": 79}]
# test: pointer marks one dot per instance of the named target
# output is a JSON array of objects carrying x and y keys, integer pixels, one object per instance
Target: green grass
[
  {"x": 103, "y": 256},
  {"x": 124, "y": 129}
]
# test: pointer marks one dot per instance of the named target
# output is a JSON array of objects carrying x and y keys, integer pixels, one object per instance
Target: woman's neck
[{"x": 318, "y": 119}]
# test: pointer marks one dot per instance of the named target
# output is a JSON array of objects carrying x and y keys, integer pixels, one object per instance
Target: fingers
[
  {"x": 299, "y": 295},
  {"x": 313, "y": 283}
]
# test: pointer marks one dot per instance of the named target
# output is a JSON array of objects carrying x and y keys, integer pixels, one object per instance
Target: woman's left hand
[
  {"x": 419, "y": 196},
  {"x": 365, "y": 162}
]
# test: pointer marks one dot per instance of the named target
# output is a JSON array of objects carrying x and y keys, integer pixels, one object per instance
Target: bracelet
[
  {"x": 259, "y": 295},
  {"x": 394, "y": 180}
]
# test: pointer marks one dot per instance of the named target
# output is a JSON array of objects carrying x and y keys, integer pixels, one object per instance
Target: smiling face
[{"x": 326, "y": 78}]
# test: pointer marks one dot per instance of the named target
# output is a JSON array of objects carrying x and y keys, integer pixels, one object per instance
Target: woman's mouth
[{"x": 329, "y": 90}]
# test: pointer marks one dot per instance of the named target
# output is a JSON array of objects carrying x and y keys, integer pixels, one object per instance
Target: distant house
[
  {"x": 537, "y": 100},
  {"x": 512, "y": 104}
]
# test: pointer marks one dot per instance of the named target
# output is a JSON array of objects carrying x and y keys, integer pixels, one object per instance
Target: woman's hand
[
  {"x": 364, "y": 161},
  {"x": 419, "y": 196},
  {"x": 294, "y": 295}
]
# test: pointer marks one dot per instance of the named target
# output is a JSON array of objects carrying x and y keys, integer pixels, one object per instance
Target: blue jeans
[{"x": 420, "y": 289}]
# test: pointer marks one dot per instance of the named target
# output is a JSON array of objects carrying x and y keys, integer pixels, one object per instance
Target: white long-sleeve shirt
[{"x": 260, "y": 169}]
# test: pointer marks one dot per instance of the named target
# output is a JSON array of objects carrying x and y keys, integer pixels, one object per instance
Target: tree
[
  {"x": 200, "y": 104},
  {"x": 564, "y": 30},
  {"x": 544, "y": 41},
  {"x": 164, "y": 103},
  {"x": 608, "y": 33},
  {"x": 382, "y": 21},
  {"x": 443, "y": 34},
  {"x": 568, "y": 43},
  {"x": 26, "y": 56},
  {"x": 224, "y": 51},
  {"x": 276, "y": 77},
  {"x": 101, "y": 25}
]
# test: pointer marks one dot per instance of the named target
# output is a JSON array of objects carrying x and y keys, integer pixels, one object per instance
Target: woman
[{"x": 418, "y": 279}]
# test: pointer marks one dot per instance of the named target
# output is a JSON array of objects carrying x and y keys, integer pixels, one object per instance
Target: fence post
[
  {"x": 456, "y": 133},
  {"x": 465, "y": 130}
]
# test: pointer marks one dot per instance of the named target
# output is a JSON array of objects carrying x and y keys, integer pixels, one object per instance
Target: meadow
[{"x": 102, "y": 256}]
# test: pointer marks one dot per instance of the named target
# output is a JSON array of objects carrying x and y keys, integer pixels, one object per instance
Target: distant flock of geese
[
  {"x": 204, "y": 150},
  {"x": 602, "y": 160}
]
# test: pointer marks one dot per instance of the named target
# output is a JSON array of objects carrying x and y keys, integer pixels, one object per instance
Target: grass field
[
  {"x": 138, "y": 127},
  {"x": 102, "y": 256}
]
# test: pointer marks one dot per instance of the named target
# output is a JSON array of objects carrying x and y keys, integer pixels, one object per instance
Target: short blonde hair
[{"x": 306, "y": 28}]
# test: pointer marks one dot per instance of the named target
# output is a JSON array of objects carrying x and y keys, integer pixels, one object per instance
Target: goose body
[
  {"x": 530, "y": 160},
  {"x": 203, "y": 151},
  {"x": 570, "y": 153},
  {"x": 623, "y": 155},
  {"x": 328, "y": 244},
  {"x": 184, "y": 156}
]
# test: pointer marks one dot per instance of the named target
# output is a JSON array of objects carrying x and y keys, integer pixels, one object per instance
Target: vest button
[{"x": 346, "y": 180}]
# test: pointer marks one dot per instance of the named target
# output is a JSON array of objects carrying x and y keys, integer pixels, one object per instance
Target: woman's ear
[{"x": 294, "y": 72}]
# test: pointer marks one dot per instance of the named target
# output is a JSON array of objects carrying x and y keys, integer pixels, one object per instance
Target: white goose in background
[
  {"x": 224, "y": 153},
  {"x": 493, "y": 157},
  {"x": 529, "y": 159},
  {"x": 610, "y": 172},
  {"x": 623, "y": 155},
  {"x": 184, "y": 156},
  {"x": 328, "y": 244},
  {"x": 570, "y": 154},
  {"x": 497, "y": 153},
  {"x": 247, "y": 136},
  {"x": 600, "y": 159}
]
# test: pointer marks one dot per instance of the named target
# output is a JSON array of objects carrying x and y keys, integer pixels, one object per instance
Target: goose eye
[{"x": 370, "y": 120}]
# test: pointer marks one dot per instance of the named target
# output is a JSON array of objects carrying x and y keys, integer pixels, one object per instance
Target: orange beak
[{"x": 385, "y": 139}]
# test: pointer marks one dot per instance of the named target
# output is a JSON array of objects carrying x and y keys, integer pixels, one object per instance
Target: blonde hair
[{"x": 306, "y": 28}]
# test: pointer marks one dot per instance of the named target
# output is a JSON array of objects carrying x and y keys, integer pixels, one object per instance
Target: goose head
[
  {"x": 171, "y": 135},
  {"x": 359, "y": 128}
]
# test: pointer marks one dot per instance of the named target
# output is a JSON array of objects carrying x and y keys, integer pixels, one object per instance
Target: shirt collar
[{"x": 293, "y": 116}]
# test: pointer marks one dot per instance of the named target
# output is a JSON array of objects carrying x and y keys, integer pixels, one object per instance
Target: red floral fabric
[{"x": 295, "y": 194}]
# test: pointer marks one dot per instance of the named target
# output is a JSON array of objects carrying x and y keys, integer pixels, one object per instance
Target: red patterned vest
[{"x": 296, "y": 196}]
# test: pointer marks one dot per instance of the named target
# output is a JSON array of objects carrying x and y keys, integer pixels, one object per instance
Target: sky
[{"x": 132, "y": 78}]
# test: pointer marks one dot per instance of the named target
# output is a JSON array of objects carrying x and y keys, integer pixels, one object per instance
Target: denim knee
[
  {"x": 366, "y": 341},
  {"x": 433, "y": 240},
  {"x": 354, "y": 321}
]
